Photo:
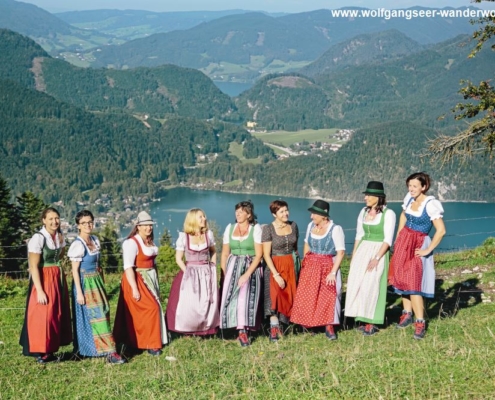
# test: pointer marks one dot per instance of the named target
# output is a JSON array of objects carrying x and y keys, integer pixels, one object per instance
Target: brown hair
[
  {"x": 276, "y": 205},
  {"x": 422, "y": 177},
  {"x": 45, "y": 212},
  {"x": 382, "y": 202},
  {"x": 248, "y": 207},
  {"x": 149, "y": 239}
]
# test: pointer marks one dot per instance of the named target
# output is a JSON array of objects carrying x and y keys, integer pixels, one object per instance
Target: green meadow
[
  {"x": 454, "y": 361},
  {"x": 286, "y": 138}
]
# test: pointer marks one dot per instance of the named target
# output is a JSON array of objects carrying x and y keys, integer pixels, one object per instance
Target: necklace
[
  {"x": 240, "y": 231},
  {"x": 319, "y": 228},
  {"x": 281, "y": 226}
]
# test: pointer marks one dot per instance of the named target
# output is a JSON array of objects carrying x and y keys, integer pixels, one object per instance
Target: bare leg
[
  {"x": 407, "y": 303},
  {"x": 418, "y": 306}
]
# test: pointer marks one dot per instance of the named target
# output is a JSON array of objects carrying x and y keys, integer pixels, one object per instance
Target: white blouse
[
  {"x": 337, "y": 235},
  {"x": 79, "y": 247},
  {"x": 388, "y": 224},
  {"x": 256, "y": 234},
  {"x": 130, "y": 250},
  {"x": 434, "y": 208},
  {"x": 35, "y": 244},
  {"x": 181, "y": 243}
]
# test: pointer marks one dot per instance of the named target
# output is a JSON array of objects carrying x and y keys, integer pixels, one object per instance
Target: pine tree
[
  {"x": 29, "y": 208},
  {"x": 111, "y": 251},
  {"x": 10, "y": 241}
]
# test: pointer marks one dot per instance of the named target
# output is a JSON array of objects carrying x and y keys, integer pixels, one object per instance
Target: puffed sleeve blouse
[{"x": 388, "y": 224}]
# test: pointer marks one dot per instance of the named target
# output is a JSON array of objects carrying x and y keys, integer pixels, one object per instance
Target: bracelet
[
  {"x": 377, "y": 258},
  {"x": 277, "y": 274},
  {"x": 333, "y": 273}
]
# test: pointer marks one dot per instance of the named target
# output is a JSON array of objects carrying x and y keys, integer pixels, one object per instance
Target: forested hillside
[
  {"x": 48, "y": 30},
  {"x": 421, "y": 88},
  {"x": 387, "y": 152},
  {"x": 289, "y": 102},
  {"x": 133, "y": 24},
  {"x": 64, "y": 153},
  {"x": 366, "y": 49},
  {"x": 156, "y": 92}
]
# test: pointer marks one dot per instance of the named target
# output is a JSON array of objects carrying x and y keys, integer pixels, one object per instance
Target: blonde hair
[{"x": 191, "y": 223}]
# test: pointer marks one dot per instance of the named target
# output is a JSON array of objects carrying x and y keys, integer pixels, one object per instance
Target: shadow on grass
[{"x": 448, "y": 301}]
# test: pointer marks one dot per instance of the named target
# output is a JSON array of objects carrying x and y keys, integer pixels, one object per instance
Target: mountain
[
  {"x": 235, "y": 39},
  {"x": 46, "y": 29},
  {"x": 154, "y": 92},
  {"x": 245, "y": 46},
  {"x": 421, "y": 88},
  {"x": 289, "y": 102},
  {"x": 422, "y": 30},
  {"x": 132, "y": 24},
  {"x": 363, "y": 49},
  {"x": 62, "y": 152}
]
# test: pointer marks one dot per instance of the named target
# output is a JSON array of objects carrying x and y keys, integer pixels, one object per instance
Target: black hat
[
  {"x": 320, "y": 207},
  {"x": 375, "y": 188}
]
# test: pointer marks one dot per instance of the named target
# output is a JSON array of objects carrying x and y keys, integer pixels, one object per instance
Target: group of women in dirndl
[{"x": 282, "y": 288}]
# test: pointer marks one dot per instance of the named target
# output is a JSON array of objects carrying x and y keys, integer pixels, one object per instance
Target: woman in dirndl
[
  {"x": 317, "y": 301},
  {"x": 282, "y": 267},
  {"x": 90, "y": 308},
  {"x": 240, "y": 262},
  {"x": 412, "y": 268},
  {"x": 193, "y": 304},
  {"x": 139, "y": 321},
  {"x": 366, "y": 295},
  {"x": 47, "y": 324}
]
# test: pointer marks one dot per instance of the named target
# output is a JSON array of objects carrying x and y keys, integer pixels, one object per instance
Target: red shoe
[
  {"x": 370, "y": 330},
  {"x": 330, "y": 332},
  {"x": 405, "y": 319},
  {"x": 115, "y": 358},
  {"x": 419, "y": 329},
  {"x": 243, "y": 338},
  {"x": 275, "y": 333}
]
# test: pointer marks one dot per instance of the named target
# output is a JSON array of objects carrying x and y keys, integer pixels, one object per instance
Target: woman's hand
[
  {"x": 42, "y": 299},
  {"x": 135, "y": 294},
  {"x": 242, "y": 280},
  {"x": 330, "y": 279},
  {"x": 80, "y": 299},
  {"x": 373, "y": 264},
  {"x": 421, "y": 253},
  {"x": 280, "y": 281}
]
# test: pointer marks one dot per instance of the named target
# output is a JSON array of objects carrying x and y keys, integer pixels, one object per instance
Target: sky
[{"x": 289, "y": 6}]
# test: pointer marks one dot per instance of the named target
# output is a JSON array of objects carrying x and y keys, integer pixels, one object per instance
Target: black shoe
[
  {"x": 155, "y": 352},
  {"x": 46, "y": 358}
]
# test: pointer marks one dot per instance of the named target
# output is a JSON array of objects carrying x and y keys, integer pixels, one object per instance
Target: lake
[
  {"x": 468, "y": 224},
  {"x": 233, "y": 89}
]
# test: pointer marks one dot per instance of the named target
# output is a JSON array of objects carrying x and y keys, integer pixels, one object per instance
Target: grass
[
  {"x": 236, "y": 149},
  {"x": 454, "y": 361},
  {"x": 286, "y": 138}
]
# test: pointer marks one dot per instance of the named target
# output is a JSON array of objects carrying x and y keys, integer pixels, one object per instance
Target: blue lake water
[
  {"x": 233, "y": 89},
  {"x": 468, "y": 224}
]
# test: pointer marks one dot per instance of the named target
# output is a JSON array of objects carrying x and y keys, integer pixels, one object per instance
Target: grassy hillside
[{"x": 453, "y": 361}]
